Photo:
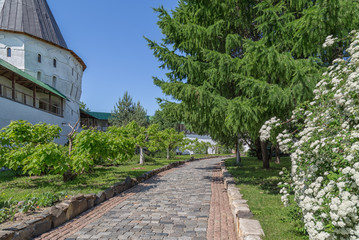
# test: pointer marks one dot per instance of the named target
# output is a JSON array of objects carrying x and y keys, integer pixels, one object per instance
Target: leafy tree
[
  {"x": 195, "y": 146},
  {"x": 142, "y": 137},
  {"x": 188, "y": 145},
  {"x": 234, "y": 64},
  {"x": 84, "y": 107},
  {"x": 223, "y": 149},
  {"x": 166, "y": 117},
  {"x": 202, "y": 147},
  {"x": 30, "y": 148},
  {"x": 126, "y": 111},
  {"x": 170, "y": 139},
  {"x": 93, "y": 147}
]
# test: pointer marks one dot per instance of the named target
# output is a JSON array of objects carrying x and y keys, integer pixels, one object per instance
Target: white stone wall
[
  {"x": 68, "y": 70},
  {"x": 11, "y": 110},
  {"x": 2, "y": 2},
  {"x": 17, "y": 45}
]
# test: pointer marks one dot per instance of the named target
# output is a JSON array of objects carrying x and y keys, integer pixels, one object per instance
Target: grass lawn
[
  {"x": 259, "y": 187},
  {"x": 18, "y": 188}
]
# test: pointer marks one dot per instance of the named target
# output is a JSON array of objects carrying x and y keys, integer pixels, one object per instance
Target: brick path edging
[
  {"x": 246, "y": 227},
  {"x": 68, "y": 209}
]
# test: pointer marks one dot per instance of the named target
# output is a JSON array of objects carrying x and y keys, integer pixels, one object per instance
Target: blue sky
[{"x": 108, "y": 36}]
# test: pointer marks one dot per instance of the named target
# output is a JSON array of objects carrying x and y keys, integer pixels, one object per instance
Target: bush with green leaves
[
  {"x": 141, "y": 137},
  {"x": 30, "y": 148},
  {"x": 92, "y": 147},
  {"x": 30, "y": 204},
  {"x": 8, "y": 211},
  {"x": 201, "y": 147},
  {"x": 169, "y": 139}
]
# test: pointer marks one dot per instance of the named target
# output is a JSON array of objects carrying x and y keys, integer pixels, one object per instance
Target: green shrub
[
  {"x": 30, "y": 148},
  {"x": 92, "y": 147}
]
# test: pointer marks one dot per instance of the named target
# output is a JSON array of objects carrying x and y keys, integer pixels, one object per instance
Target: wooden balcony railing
[{"x": 20, "y": 97}]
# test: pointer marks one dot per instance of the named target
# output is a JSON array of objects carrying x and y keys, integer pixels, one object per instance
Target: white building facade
[
  {"x": 202, "y": 138},
  {"x": 40, "y": 78}
]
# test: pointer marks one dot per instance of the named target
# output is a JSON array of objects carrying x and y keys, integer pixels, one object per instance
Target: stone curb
[
  {"x": 68, "y": 209},
  {"x": 246, "y": 227}
]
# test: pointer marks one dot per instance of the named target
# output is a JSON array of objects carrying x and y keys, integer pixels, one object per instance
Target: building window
[
  {"x": 54, "y": 79},
  {"x": 54, "y": 63},
  {"x": 38, "y": 75},
  {"x": 39, "y": 58},
  {"x": 77, "y": 76},
  {"x": 72, "y": 89},
  {"x": 9, "y": 52},
  {"x": 72, "y": 71}
]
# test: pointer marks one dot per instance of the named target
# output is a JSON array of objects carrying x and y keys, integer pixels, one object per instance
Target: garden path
[{"x": 188, "y": 202}]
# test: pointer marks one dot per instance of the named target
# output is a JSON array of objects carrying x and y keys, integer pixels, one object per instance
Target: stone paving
[{"x": 188, "y": 202}]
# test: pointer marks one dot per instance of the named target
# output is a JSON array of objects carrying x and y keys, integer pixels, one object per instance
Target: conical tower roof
[{"x": 32, "y": 17}]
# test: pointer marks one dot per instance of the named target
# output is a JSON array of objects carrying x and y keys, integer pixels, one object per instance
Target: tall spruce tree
[
  {"x": 126, "y": 111},
  {"x": 166, "y": 117},
  {"x": 234, "y": 64}
]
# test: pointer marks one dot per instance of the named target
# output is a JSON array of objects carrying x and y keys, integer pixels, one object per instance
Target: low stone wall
[
  {"x": 246, "y": 227},
  {"x": 68, "y": 209}
]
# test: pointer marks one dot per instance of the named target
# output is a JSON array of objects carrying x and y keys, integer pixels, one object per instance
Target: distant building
[
  {"x": 202, "y": 138},
  {"x": 40, "y": 77},
  {"x": 96, "y": 120}
]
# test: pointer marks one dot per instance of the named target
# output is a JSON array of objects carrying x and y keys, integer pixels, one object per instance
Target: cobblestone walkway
[{"x": 183, "y": 203}]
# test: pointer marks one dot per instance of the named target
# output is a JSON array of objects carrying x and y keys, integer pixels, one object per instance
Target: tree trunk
[
  {"x": 168, "y": 153},
  {"x": 271, "y": 150},
  {"x": 238, "y": 154},
  {"x": 277, "y": 153},
  {"x": 259, "y": 150},
  {"x": 70, "y": 146},
  {"x": 142, "y": 159},
  {"x": 265, "y": 155}
]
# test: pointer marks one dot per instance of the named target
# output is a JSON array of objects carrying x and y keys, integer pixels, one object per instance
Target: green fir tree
[
  {"x": 234, "y": 64},
  {"x": 126, "y": 111}
]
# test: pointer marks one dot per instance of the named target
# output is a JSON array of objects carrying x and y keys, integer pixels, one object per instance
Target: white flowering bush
[
  {"x": 324, "y": 151},
  {"x": 266, "y": 130}
]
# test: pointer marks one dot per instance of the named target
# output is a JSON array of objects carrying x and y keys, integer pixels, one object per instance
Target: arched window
[
  {"x": 39, "y": 58},
  {"x": 9, "y": 52},
  {"x": 55, "y": 63},
  {"x": 54, "y": 80},
  {"x": 38, "y": 75}
]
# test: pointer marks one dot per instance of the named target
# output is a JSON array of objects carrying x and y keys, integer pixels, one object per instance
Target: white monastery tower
[{"x": 40, "y": 77}]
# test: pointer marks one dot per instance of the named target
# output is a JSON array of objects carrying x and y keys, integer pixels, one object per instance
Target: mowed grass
[
  {"x": 18, "y": 188},
  {"x": 259, "y": 187}
]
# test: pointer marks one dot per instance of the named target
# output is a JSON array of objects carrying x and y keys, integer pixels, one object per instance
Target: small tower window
[
  {"x": 55, "y": 63},
  {"x": 39, "y": 58},
  {"x": 54, "y": 80},
  {"x": 72, "y": 89},
  {"x": 38, "y": 75},
  {"x": 72, "y": 71},
  {"x": 9, "y": 52}
]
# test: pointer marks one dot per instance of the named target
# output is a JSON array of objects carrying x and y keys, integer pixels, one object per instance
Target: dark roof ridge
[{"x": 33, "y": 17}]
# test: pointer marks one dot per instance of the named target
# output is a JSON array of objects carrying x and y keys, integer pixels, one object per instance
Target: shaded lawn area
[
  {"x": 18, "y": 188},
  {"x": 259, "y": 187}
]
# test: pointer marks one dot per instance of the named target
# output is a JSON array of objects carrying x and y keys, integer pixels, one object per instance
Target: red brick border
[{"x": 220, "y": 222}]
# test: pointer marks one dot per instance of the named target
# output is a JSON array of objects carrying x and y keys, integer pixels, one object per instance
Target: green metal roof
[
  {"x": 27, "y": 76},
  {"x": 99, "y": 115}
]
